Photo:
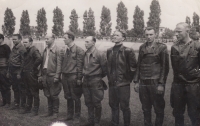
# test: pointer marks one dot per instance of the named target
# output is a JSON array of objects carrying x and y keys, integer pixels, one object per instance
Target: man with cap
[
  {"x": 32, "y": 59},
  {"x": 50, "y": 71},
  {"x": 121, "y": 68},
  {"x": 72, "y": 67},
  {"x": 15, "y": 67},
  {"x": 4, "y": 82},
  {"x": 150, "y": 77},
  {"x": 93, "y": 86},
  {"x": 185, "y": 90}
]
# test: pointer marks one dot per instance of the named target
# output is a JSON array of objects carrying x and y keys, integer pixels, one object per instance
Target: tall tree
[
  {"x": 154, "y": 15},
  {"x": 74, "y": 22},
  {"x": 24, "y": 24},
  {"x": 187, "y": 20},
  {"x": 168, "y": 34},
  {"x": 122, "y": 19},
  {"x": 58, "y": 20},
  {"x": 138, "y": 22},
  {"x": 9, "y": 23},
  {"x": 41, "y": 22},
  {"x": 89, "y": 23},
  {"x": 105, "y": 24},
  {"x": 196, "y": 21}
]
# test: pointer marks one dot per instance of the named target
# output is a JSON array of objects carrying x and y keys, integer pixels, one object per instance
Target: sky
[{"x": 172, "y": 11}]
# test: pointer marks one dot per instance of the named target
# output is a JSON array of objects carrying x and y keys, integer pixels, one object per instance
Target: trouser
[
  {"x": 51, "y": 91},
  {"x": 120, "y": 96},
  {"x": 5, "y": 86},
  {"x": 72, "y": 92},
  {"x": 93, "y": 93},
  {"x": 149, "y": 98},
  {"x": 182, "y": 95},
  {"x": 18, "y": 87},
  {"x": 32, "y": 90}
]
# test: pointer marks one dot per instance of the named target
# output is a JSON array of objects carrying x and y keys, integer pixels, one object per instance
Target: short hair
[
  {"x": 30, "y": 39},
  {"x": 187, "y": 26},
  {"x": 123, "y": 32},
  {"x": 1, "y": 36},
  {"x": 149, "y": 28},
  {"x": 93, "y": 39},
  {"x": 18, "y": 36},
  {"x": 70, "y": 35}
]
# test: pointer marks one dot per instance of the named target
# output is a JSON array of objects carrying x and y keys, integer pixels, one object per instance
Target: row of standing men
[{"x": 81, "y": 72}]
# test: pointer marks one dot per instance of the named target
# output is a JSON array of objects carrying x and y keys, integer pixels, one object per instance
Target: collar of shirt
[
  {"x": 121, "y": 47},
  {"x": 19, "y": 45},
  {"x": 72, "y": 48},
  {"x": 52, "y": 48},
  {"x": 92, "y": 51}
]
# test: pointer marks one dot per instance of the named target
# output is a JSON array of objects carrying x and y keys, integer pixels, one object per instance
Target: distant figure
[
  {"x": 4, "y": 82},
  {"x": 185, "y": 88},
  {"x": 121, "y": 67},
  {"x": 50, "y": 71},
  {"x": 150, "y": 77}
]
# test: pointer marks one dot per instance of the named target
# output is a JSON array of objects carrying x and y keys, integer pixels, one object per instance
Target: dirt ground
[{"x": 12, "y": 118}]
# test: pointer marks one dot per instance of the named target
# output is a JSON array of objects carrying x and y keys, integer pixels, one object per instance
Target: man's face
[
  {"x": 16, "y": 41},
  {"x": 89, "y": 43},
  {"x": 117, "y": 37},
  {"x": 49, "y": 41},
  {"x": 180, "y": 32},
  {"x": 150, "y": 35},
  {"x": 26, "y": 43},
  {"x": 66, "y": 39}
]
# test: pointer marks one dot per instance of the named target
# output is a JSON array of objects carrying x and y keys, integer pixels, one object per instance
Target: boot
[
  {"x": 127, "y": 117},
  {"x": 50, "y": 108},
  {"x": 24, "y": 110},
  {"x": 70, "y": 109},
  {"x": 115, "y": 117},
  {"x": 179, "y": 120},
  {"x": 147, "y": 119},
  {"x": 97, "y": 115},
  {"x": 34, "y": 112},
  {"x": 159, "y": 119},
  {"x": 91, "y": 115},
  {"x": 55, "y": 108}
]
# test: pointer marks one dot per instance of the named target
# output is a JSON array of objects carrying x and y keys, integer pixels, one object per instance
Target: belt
[{"x": 92, "y": 76}]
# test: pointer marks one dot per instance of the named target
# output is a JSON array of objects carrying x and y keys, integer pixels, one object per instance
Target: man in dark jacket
[
  {"x": 32, "y": 59},
  {"x": 16, "y": 60},
  {"x": 50, "y": 71},
  {"x": 152, "y": 71},
  {"x": 4, "y": 82},
  {"x": 121, "y": 67},
  {"x": 185, "y": 55},
  {"x": 72, "y": 67},
  {"x": 93, "y": 86}
]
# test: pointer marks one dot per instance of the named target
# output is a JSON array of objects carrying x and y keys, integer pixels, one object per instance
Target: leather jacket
[
  {"x": 153, "y": 63},
  {"x": 125, "y": 66},
  {"x": 186, "y": 62}
]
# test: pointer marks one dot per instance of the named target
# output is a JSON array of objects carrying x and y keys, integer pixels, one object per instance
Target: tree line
[{"x": 89, "y": 28}]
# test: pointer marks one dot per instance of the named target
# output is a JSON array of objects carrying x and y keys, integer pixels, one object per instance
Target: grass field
[{"x": 12, "y": 118}]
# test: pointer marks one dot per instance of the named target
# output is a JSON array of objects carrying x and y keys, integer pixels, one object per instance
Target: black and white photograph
[{"x": 99, "y": 63}]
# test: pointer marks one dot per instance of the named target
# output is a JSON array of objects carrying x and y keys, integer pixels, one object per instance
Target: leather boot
[
  {"x": 50, "y": 108},
  {"x": 115, "y": 117},
  {"x": 147, "y": 119},
  {"x": 97, "y": 115},
  {"x": 127, "y": 117},
  {"x": 159, "y": 119}
]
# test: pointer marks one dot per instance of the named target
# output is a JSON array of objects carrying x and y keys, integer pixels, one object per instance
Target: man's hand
[
  {"x": 18, "y": 76},
  {"x": 7, "y": 75},
  {"x": 39, "y": 79},
  {"x": 136, "y": 87},
  {"x": 160, "y": 89},
  {"x": 79, "y": 82},
  {"x": 56, "y": 80}
]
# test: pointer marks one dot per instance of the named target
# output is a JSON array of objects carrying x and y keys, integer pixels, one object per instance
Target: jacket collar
[
  {"x": 120, "y": 49},
  {"x": 19, "y": 45},
  {"x": 53, "y": 48},
  {"x": 72, "y": 48},
  {"x": 93, "y": 52}
]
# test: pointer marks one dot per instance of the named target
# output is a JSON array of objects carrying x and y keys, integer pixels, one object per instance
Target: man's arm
[
  {"x": 80, "y": 58},
  {"x": 103, "y": 63},
  {"x": 137, "y": 73},
  {"x": 164, "y": 62},
  {"x": 132, "y": 63},
  {"x": 58, "y": 68},
  {"x": 37, "y": 58}
]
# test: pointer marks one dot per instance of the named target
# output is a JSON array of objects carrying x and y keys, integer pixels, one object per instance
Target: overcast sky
[{"x": 172, "y": 11}]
